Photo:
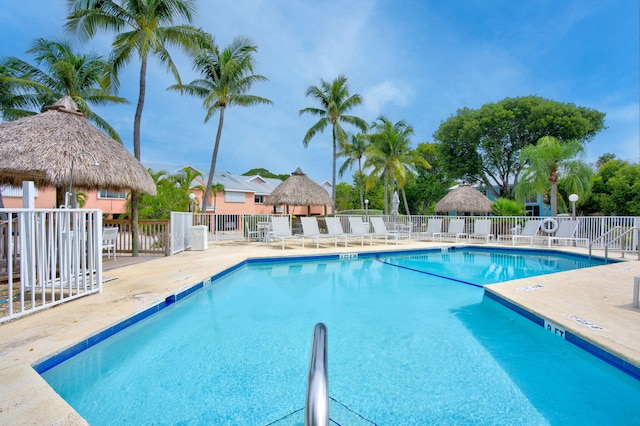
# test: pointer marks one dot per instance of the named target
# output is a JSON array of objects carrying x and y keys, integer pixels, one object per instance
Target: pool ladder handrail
[
  {"x": 611, "y": 231},
  {"x": 317, "y": 403}
]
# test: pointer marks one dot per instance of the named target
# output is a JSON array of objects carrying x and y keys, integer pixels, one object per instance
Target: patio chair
[
  {"x": 529, "y": 232},
  {"x": 434, "y": 227},
  {"x": 566, "y": 232},
  {"x": 251, "y": 233},
  {"x": 334, "y": 228},
  {"x": 380, "y": 230},
  {"x": 360, "y": 229},
  {"x": 455, "y": 230},
  {"x": 482, "y": 230},
  {"x": 281, "y": 230},
  {"x": 109, "y": 237},
  {"x": 311, "y": 230}
]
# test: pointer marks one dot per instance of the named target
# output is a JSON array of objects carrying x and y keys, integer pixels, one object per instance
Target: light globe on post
[
  {"x": 573, "y": 198},
  {"x": 366, "y": 210},
  {"x": 192, "y": 197}
]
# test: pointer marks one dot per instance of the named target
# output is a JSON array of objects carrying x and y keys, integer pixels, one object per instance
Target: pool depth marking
[{"x": 428, "y": 273}]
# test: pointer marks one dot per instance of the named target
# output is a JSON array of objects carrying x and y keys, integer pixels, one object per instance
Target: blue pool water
[{"x": 407, "y": 345}]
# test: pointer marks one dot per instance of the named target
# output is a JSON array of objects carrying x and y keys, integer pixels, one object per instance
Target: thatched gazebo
[
  {"x": 464, "y": 199},
  {"x": 43, "y": 148},
  {"x": 299, "y": 190}
]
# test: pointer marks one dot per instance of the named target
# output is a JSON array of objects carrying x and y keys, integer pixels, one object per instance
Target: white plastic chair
[
  {"x": 109, "y": 239},
  {"x": 482, "y": 230},
  {"x": 434, "y": 228},
  {"x": 281, "y": 229},
  {"x": 311, "y": 230},
  {"x": 380, "y": 230},
  {"x": 360, "y": 229},
  {"x": 455, "y": 230}
]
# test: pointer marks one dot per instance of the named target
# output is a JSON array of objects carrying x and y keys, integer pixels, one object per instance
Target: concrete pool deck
[{"x": 575, "y": 300}]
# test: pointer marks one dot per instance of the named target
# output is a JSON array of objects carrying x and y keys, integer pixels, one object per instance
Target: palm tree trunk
[
  {"x": 386, "y": 190},
  {"x": 212, "y": 169},
  {"x": 554, "y": 199},
  {"x": 333, "y": 171},
  {"x": 135, "y": 231},
  {"x": 360, "y": 183},
  {"x": 406, "y": 204}
]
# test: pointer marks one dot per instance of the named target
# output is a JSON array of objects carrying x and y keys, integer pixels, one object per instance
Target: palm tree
[
  {"x": 144, "y": 28},
  {"x": 549, "y": 161},
  {"x": 64, "y": 72},
  {"x": 226, "y": 77},
  {"x": 17, "y": 93},
  {"x": 391, "y": 155},
  {"x": 335, "y": 101},
  {"x": 354, "y": 152}
]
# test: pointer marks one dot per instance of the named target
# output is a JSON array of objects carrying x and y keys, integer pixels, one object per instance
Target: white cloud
[{"x": 379, "y": 98}]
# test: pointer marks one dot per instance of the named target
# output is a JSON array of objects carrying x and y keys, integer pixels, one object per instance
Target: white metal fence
[
  {"x": 48, "y": 257},
  {"x": 180, "y": 231}
]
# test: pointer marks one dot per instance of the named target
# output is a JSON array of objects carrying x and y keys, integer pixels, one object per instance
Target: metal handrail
[
  {"x": 317, "y": 405},
  {"x": 606, "y": 246}
]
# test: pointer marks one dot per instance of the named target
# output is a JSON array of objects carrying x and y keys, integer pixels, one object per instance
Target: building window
[
  {"x": 258, "y": 199},
  {"x": 112, "y": 194},
  {"x": 234, "y": 197},
  {"x": 14, "y": 191}
]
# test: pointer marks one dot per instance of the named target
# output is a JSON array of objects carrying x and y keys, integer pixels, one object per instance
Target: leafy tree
[
  {"x": 265, "y": 174},
  {"x": 484, "y": 145},
  {"x": 354, "y": 152},
  {"x": 615, "y": 190},
  {"x": 64, "y": 72},
  {"x": 548, "y": 162},
  {"x": 144, "y": 28},
  {"x": 604, "y": 158},
  {"x": 346, "y": 197},
  {"x": 390, "y": 155},
  {"x": 335, "y": 101},
  {"x": 172, "y": 195},
  {"x": 507, "y": 207},
  {"x": 225, "y": 78},
  {"x": 430, "y": 185}
]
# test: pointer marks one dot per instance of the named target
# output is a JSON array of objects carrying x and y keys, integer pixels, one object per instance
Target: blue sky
[{"x": 416, "y": 60}]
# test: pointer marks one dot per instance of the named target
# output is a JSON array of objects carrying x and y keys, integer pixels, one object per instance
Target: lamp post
[
  {"x": 69, "y": 194},
  {"x": 366, "y": 210},
  {"x": 573, "y": 198},
  {"x": 192, "y": 197}
]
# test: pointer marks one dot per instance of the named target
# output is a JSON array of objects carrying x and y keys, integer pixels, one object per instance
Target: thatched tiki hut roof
[
  {"x": 464, "y": 199},
  {"x": 42, "y": 147},
  {"x": 299, "y": 190}
]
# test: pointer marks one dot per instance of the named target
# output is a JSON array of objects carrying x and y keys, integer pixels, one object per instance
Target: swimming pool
[{"x": 407, "y": 345}]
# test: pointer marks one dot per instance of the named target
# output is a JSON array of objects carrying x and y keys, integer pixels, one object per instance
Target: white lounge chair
[
  {"x": 529, "y": 232},
  {"x": 311, "y": 230},
  {"x": 109, "y": 238},
  {"x": 455, "y": 230},
  {"x": 482, "y": 230},
  {"x": 566, "y": 233},
  {"x": 380, "y": 230},
  {"x": 434, "y": 228},
  {"x": 334, "y": 228},
  {"x": 281, "y": 230},
  {"x": 360, "y": 229}
]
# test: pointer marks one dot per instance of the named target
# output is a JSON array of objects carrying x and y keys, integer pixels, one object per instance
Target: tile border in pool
[
  {"x": 59, "y": 357},
  {"x": 606, "y": 356}
]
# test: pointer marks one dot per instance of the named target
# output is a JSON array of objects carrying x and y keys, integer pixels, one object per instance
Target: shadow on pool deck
[{"x": 601, "y": 295}]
